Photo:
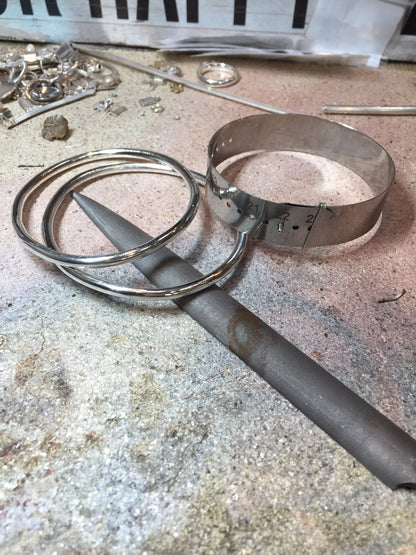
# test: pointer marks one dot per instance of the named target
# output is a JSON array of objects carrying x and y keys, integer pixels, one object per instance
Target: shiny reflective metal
[
  {"x": 103, "y": 81},
  {"x": 103, "y": 105},
  {"x": 43, "y": 91},
  {"x": 371, "y": 110},
  {"x": 229, "y": 74},
  {"x": 16, "y": 69},
  {"x": 291, "y": 224},
  {"x": 117, "y": 156},
  {"x": 50, "y": 77},
  {"x": 13, "y": 121},
  {"x": 174, "y": 70}
]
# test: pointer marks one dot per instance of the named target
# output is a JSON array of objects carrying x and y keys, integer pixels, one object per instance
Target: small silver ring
[
  {"x": 46, "y": 176},
  {"x": 231, "y": 75},
  {"x": 108, "y": 288},
  {"x": 43, "y": 91}
]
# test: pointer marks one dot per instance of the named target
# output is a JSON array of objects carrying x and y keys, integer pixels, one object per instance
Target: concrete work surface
[{"x": 127, "y": 428}]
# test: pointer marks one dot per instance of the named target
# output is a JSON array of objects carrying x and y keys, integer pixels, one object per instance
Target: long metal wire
[{"x": 176, "y": 79}]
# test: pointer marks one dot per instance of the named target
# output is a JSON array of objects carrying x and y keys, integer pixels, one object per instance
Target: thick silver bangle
[
  {"x": 289, "y": 224},
  {"x": 103, "y": 286},
  {"x": 114, "y": 155}
]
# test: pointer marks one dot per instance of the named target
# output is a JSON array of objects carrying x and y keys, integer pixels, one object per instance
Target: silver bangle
[
  {"x": 47, "y": 176},
  {"x": 231, "y": 75},
  {"x": 291, "y": 224},
  {"x": 106, "y": 287}
]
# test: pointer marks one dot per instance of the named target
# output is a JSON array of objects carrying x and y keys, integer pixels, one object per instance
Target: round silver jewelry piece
[
  {"x": 230, "y": 74},
  {"x": 115, "y": 156}
]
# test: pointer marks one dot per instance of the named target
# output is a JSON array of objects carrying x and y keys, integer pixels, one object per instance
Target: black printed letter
[
  {"x": 240, "y": 8},
  {"x": 95, "y": 8},
  {"x": 171, "y": 10},
  {"x": 122, "y": 9},
  {"x": 52, "y": 7},
  {"x": 192, "y": 11},
  {"x": 26, "y": 6},
  {"x": 299, "y": 15}
]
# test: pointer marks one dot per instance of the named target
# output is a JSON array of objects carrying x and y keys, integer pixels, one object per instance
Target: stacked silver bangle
[{"x": 123, "y": 160}]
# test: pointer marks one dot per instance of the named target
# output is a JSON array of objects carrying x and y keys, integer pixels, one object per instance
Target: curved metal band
[
  {"x": 17, "y": 79},
  {"x": 294, "y": 224},
  {"x": 45, "y": 177},
  {"x": 121, "y": 291},
  {"x": 232, "y": 75}
]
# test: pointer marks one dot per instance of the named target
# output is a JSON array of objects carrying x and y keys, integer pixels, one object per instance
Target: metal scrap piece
[
  {"x": 25, "y": 103},
  {"x": 78, "y": 83},
  {"x": 176, "y": 87},
  {"x": 149, "y": 101},
  {"x": 7, "y": 88},
  {"x": 5, "y": 114},
  {"x": 65, "y": 51},
  {"x": 109, "y": 107},
  {"x": 174, "y": 70},
  {"x": 116, "y": 109},
  {"x": 103, "y": 105},
  {"x": 55, "y": 127},
  {"x": 44, "y": 75}
]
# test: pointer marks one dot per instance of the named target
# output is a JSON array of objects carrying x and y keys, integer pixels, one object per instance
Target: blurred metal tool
[
  {"x": 371, "y": 110},
  {"x": 384, "y": 448},
  {"x": 176, "y": 79}
]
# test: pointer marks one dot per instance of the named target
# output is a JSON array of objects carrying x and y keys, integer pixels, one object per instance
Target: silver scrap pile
[{"x": 47, "y": 77}]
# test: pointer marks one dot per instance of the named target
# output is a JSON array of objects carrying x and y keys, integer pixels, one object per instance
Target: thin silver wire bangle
[
  {"x": 46, "y": 176},
  {"x": 122, "y": 291},
  {"x": 133, "y": 254}
]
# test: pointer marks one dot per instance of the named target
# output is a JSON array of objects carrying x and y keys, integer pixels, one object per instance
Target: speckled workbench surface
[{"x": 125, "y": 427}]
